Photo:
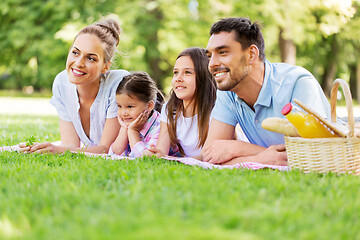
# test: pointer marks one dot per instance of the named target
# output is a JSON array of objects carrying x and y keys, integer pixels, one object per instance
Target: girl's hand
[
  {"x": 153, "y": 151},
  {"x": 147, "y": 152},
  {"x": 140, "y": 121},
  {"x": 122, "y": 123}
]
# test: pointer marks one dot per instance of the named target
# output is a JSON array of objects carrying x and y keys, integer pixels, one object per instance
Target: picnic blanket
[{"x": 185, "y": 160}]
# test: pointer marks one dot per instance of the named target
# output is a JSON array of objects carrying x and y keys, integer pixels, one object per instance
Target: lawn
[{"x": 72, "y": 196}]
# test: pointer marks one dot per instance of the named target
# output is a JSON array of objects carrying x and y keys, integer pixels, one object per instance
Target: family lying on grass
[{"x": 117, "y": 112}]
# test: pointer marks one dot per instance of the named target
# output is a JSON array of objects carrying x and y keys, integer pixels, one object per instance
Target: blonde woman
[{"x": 84, "y": 94}]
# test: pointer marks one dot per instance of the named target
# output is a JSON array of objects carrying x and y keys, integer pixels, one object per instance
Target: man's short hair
[{"x": 247, "y": 33}]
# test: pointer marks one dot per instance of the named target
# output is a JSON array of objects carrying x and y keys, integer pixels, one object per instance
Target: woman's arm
[
  {"x": 68, "y": 135},
  {"x": 110, "y": 132},
  {"x": 70, "y": 140}
]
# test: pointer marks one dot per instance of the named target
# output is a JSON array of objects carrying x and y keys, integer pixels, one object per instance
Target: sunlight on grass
[
  {"x": 7, "y": 229},
  {"x": 73, "y": 196},
  {"x": 44, "y": 93},
  {"x": 16, "y": 128}
]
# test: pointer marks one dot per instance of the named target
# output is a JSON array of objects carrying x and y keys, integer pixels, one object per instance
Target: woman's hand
[
  {"x": 140, "y": 121},
  {"x": 45, "y": 147},
  {"x": 25, "y": 147}
]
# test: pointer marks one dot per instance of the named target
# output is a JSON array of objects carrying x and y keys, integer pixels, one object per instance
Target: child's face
[
  {"x": 130, "y": 107},
  {"x": 184, "y": 79}
]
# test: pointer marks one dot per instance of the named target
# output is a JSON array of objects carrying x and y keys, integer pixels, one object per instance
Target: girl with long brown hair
[{"x": 185, "y": 117}]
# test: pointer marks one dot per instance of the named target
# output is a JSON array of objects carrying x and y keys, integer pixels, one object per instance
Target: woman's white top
[
  {"x": 186, "y": 131},
  {"x": 66, "y": 101}
]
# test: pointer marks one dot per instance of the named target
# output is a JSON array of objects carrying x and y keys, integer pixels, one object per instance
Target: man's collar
[{"x": 265, "y": 96}]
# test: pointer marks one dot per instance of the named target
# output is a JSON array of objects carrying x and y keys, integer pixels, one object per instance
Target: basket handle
[{"x": 349, "y": 103}]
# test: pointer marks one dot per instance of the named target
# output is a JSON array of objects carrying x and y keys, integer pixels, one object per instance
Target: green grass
[
  {"x": 44, "y": 93},
  {"x": 19, "y": 128},
  {"x": 72, "y": 196}
]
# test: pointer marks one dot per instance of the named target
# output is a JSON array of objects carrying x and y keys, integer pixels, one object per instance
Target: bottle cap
[{"x": 286, "y": 109}]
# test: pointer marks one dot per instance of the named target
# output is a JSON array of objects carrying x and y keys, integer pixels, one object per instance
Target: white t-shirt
[
  {"x": 66, "y": 101},
  {"x": 187, "y": 133}
]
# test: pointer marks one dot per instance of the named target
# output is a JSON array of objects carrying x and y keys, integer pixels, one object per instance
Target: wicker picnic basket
[{"x": 339, "y": 154}]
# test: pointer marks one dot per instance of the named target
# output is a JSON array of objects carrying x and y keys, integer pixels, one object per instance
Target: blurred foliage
[{"x": 35, "y": 35}]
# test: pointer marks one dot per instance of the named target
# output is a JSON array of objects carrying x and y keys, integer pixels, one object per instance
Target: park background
[
  {"x": 73, "y": 196},
  {"x": 321, "y": 35}
]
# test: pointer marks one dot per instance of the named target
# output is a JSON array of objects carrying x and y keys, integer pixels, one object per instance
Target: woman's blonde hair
[{"x": 108, "y": 31}]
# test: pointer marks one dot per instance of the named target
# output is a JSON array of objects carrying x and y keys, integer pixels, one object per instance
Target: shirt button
[{"x": 256, "y": 121}]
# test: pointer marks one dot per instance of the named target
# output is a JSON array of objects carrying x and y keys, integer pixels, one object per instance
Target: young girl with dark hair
[
  {"x": 139, "y": 101},
  {"x": 185, "y": 117}
]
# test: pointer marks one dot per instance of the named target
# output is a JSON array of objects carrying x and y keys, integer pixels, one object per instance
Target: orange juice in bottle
[{"x": 307, "y": 125}]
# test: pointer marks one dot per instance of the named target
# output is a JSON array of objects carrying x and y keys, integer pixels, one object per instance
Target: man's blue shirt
[{"x": 282, "y": 83}]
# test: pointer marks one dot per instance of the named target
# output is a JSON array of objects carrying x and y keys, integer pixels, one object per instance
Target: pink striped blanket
[{"x": 185, "y": 160}]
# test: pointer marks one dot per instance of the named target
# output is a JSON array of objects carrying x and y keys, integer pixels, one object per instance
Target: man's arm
[
  {"x": 274, "y": 155},
  {"x": 220, "y": 146}
]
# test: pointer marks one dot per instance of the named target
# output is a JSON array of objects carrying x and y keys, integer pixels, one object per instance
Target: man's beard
[{"x": 235, "y": 80}]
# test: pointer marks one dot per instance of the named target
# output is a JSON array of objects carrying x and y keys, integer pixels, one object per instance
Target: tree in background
[
  {"x": 332, "y": 17},
  {"x": 309, "y": 33},
  {"x": 349, "y": 60},
  {"x": 157, "y": 31},
  {"x": 31, "y": 54},
  {"x": 321, "y": 35}
]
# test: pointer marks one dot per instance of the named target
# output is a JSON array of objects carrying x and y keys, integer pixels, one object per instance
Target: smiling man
[{"x": 252, "y": 89}]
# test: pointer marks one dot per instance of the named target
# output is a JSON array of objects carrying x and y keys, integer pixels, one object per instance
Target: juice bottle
[{"x": 307, "y": 125}]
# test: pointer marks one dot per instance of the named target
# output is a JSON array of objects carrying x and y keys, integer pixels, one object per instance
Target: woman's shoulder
[
  {"x": 61, "y": 75},
  {"x": 116, "y": 75},
  {"x": 61, "y": 79},
  {"x": 118, "y": 72}
]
